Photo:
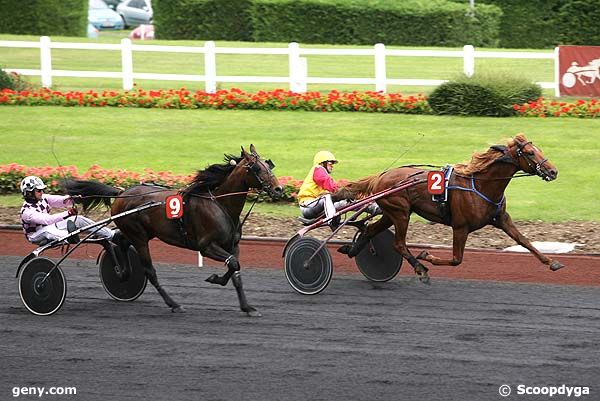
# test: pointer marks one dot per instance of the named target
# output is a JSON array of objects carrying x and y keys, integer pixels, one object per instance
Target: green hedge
[
  {"x": 526, "y": 24},
  {"x": 579, "y": 23},
  {"x": 203, "y": 19},
  {"x": 410, "y": 22},
  {"x": 44, "y": 17}
]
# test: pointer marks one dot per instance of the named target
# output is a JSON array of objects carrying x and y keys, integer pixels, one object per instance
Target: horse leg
[
  {"x": 459, "y": 240},
  {"x": 233, "y": 271},
  {"x": 506, "y": 224},
  {"x": 363, "y": 239},
  {"x": 401, "y": 225},
  {"x": 146, "y": 261}
]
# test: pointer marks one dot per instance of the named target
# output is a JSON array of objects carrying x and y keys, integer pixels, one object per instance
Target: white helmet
[{"x": 30, "y": 183}]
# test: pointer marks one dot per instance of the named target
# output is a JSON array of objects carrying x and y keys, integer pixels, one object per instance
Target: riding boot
[{"x": 120, "y": 240}]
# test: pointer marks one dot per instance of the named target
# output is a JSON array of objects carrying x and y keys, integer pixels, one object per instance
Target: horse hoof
[
  {"x": 424, "y": 279},
  {"x": 345, "y": 249},
  {"x": 423, "y": 255},
  {"x": 215, "y": 279},
  {"x": 253, "y": 313},
  {"x": 554, "y": 266},
  {"x": 177, "y": 309}
]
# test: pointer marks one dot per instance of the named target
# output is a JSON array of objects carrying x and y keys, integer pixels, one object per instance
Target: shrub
[
  {"x": 483, "y": 95},
  {"x": 6, "y": 80}
]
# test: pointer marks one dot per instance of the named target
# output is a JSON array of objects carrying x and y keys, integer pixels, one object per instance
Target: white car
[{"x": 135, "y": 12}]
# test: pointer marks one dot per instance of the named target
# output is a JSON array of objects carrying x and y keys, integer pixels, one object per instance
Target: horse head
[
  {"x": 261, "y": 173},
  {"x": 531, "y": 159}
]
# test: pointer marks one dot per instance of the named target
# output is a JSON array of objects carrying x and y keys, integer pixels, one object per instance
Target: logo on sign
[
  {"x": 436, "y": 182},
  {"x": 174, "y": 207}
]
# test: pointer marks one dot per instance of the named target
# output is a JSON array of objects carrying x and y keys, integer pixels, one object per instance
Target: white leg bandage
[{"x": 329, "y": 207}]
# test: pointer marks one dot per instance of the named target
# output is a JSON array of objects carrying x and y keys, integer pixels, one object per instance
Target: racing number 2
[
  {"x": 436, "y": 182},
  {"x": 174, "y": 207}
]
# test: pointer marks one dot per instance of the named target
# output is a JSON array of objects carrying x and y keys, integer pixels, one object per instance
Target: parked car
[
  {"x": 102, "y": 17},
  {"x": 135, "y": 12},
  {"x": 112, "y": 3}
]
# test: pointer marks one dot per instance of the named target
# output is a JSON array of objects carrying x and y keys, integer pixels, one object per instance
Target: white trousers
[{"x": 58, "y": 230}]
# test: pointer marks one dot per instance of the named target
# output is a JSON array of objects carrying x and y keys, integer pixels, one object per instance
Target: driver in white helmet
[
  {"x": 314, "y": 195},
  {"x": 41, "y": 226}
]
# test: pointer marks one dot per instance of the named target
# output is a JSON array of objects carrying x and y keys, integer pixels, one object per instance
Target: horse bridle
[
  {"x": 254, "y": 167},
  {"x": 536, "y": 166}
]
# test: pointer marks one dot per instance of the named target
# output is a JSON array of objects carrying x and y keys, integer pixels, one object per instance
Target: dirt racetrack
[{"x": 456, "y": 339}]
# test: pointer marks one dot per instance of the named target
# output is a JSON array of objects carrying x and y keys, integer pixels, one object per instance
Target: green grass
[
  {"x": 182, "y": 141},
  {"x": 254, "y": 65}
]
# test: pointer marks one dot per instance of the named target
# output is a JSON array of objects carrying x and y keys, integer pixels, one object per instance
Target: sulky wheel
[
  {"x": 126, "y": 284},
  {"x": 308, "y": 277},
  {"x": 378, "y": 260},
  {"x": 42, "y": 295}
]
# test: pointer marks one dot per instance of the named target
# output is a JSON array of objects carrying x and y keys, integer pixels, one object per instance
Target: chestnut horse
[
  {"x": 210, "y": 223},
  {"x": 475, "y": 199}
]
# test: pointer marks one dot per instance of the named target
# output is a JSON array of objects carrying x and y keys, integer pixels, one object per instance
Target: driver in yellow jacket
[{"x": 314, "y": 195}]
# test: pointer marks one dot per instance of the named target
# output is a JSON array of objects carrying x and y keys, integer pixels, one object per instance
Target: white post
[
  {"x": 294, "y": 66},
  {"x": 380, "y": 68},
  {"x": 127, "y": 64},
  {"x": 200, "y": 260},
  {"x": 46, "y": 61},
  {"x": 557, "y": 71},
  {"x": 302, "y": 74},
  {"x": 469, "y": 60},
  {"x": 210, "y": 67}
]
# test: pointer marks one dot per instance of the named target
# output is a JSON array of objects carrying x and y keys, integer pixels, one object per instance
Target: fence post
[
  {"x": 46, "y": 61},
  {"x": 294, "y": 67},
  {"x": 302, "y": 74},
  {"x": 469, "y": 60},
  {"x": 557, "y": 71},
  {"x": 127, "y": 64},
  {"x": 380, "y": 68},
  {"x": 210, "y": 67}
]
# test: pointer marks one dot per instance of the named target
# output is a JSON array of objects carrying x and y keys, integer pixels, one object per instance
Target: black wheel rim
[
  {"x": 378, "y": 260},
  {"x": 42, "y": 295},
  {"x": 308, "y": 277},
  {"x": 127, "y": 284}
]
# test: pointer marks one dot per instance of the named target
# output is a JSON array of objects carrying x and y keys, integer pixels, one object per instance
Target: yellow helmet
[{"x": 324, "y": 156}]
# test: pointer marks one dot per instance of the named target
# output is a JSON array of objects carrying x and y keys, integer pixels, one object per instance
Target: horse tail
[
  {"x": 93, "y": 193},
  {"x": 359, "y": 188}
]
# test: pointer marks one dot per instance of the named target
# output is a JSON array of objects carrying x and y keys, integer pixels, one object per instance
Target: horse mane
[
  {"x": 212, "y": 176},
  {"x": 480, "y": 161}
]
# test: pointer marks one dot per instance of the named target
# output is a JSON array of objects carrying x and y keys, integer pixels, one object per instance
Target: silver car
[{"x": 135, "y": 12}]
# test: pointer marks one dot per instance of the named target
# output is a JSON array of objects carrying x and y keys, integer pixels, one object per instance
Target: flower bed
[
  {"x": 278, "y": 99},
  {"x": 551, "y": 108},
  {"x": 12, "y": 174},
  {"x": 223, "y": 99}
]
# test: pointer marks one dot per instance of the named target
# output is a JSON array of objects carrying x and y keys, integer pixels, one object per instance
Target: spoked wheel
[
  {"x": 308, "y": 277},
  {"x": 378, "y": 260},
  {"x": 126, "y": 284},
  {"x": 42, "y": 295}
]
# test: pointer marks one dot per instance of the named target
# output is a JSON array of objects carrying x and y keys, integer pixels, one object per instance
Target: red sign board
[
  {"x": 579, "y": 70},
  {"x": 174, "y": 207},
  {"x": 436, "y": 182}
]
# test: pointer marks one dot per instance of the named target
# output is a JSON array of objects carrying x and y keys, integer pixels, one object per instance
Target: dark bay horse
[
  {"x": 475, "y": 199},
  {"x": 210, "y": 223}
]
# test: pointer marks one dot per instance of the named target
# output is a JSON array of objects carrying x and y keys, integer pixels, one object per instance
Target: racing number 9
[
  {"x": 174, "y": 207},
  {"x": 436, "y": 182}
]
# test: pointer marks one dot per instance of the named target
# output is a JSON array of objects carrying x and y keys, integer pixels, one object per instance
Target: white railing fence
[{"x": 297, "y": 79}]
